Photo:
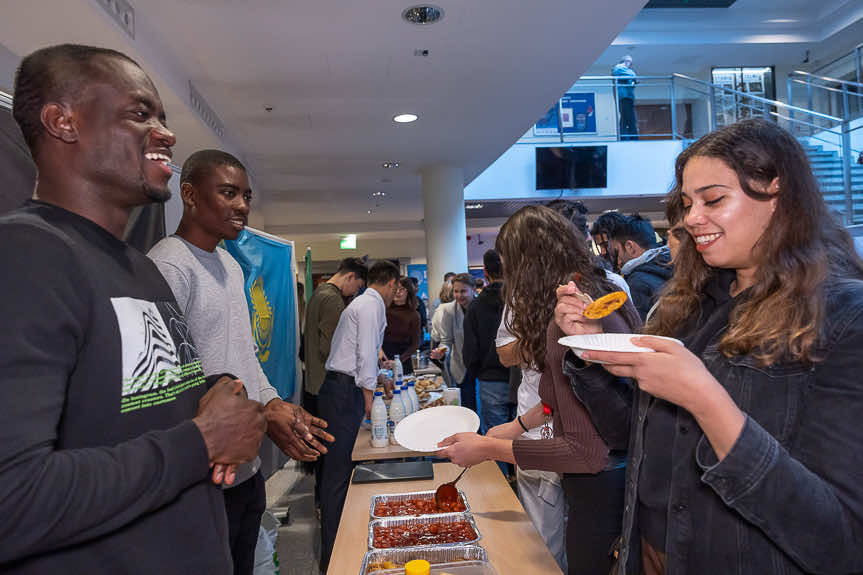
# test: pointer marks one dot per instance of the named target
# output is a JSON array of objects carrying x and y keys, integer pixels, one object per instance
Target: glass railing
[{"x": 679, "y": 107}]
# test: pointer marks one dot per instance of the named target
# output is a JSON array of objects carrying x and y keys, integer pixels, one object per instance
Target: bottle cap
[
  {"x": 379, "y": 394},
  {"x": 417, "y": 567},
  {"x": 397, "y": 390}
]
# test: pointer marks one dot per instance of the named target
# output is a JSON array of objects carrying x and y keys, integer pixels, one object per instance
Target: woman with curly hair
[
  {"x": 744, "y": 443},
  {"x": 541, "y": 250}
]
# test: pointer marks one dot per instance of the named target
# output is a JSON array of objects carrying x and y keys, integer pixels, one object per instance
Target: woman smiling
[{"x": 744, "y": 445}]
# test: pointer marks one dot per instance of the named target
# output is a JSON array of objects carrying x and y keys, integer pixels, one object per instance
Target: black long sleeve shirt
[{"x": 101, "y": 469}]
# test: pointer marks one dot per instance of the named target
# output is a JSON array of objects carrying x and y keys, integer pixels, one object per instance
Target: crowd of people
[{"x": 134, "y": 404}]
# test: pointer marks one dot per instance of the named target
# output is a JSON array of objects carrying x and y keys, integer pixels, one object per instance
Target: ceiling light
[
  {"x": 472, "y": 206},
  {"x": 405, "y": 118},
  {"x": 780, "y": 21},
  {"x": 422, "y": 15},
  {"x": 390, "y": 165},
  {"x": 378, "y": 194}
]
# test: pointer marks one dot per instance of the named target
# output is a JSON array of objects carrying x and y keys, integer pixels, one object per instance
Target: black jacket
[
  {"x": 646, "y": 278},
  {"x": 787, "y": 498},
  {"x": 480, "y": 329}
]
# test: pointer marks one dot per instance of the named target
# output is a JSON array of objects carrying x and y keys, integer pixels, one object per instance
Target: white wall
[{"x": 634, "y": 168}]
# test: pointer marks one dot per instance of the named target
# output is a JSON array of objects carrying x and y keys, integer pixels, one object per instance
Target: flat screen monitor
[{"x": 571, "y": 167}]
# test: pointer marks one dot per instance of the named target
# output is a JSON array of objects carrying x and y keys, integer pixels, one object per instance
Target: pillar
[{"x": 445, "y": 229}]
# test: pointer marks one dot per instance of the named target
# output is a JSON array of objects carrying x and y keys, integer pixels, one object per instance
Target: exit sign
[{"x": 348, "y": 242}]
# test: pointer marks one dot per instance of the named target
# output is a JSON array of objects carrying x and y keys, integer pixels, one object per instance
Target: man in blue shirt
[{"x": 626, "y": 98}]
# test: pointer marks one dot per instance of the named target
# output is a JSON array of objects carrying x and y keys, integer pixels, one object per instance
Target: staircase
[{"x": 827, "y": 167}]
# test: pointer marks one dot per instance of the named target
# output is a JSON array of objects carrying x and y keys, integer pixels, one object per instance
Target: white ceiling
[{"x": 336, "y": 71}]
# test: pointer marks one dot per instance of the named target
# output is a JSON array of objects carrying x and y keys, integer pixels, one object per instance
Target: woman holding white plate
[
  {"x": 540, "y": 250},
  {"x": 745, "y": 446}
]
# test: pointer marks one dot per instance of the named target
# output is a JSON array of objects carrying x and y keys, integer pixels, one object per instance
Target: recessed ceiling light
[
  {"x": 423, "y": 14},
  {"x": 780, "y": 21},
  {"x": 405, "y": 118},
  {"x": 378, "y": 194},
  {"x": 390, "y": 165},
  {"x": 472, "y": 206}
]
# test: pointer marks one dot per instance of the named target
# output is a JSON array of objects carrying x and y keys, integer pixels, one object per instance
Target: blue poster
[
  {"x": 268, "y": 266},
  {"x": 420, "y": 272},
  {"x": 578, "y": 113},
  {"x": 548, "y": 125}
]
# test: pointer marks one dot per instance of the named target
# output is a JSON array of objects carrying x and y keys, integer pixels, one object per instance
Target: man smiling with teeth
[{"x": 209, "y": 286}]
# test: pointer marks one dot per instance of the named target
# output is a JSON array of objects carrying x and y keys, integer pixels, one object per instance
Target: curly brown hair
[
  {"x": 803, "y": 248},
  {"x": 541, "y": 250}
]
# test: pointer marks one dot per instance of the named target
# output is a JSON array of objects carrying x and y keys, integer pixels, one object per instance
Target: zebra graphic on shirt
[{"x": 159, "y": 358}]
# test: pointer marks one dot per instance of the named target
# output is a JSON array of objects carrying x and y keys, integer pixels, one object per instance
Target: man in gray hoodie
[{"x": 644, "y": 266}]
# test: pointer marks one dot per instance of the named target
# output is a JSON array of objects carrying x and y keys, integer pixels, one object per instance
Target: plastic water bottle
[
  {"x": 406, "y": 399},
  {"x": 398, "y": 369},
  {"x": 397, "y": 413},
  {"x": 380, "y": 435},
  {"x": 412, "y": 392}
]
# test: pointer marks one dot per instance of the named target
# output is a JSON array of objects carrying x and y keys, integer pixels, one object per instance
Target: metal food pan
[
  {"x": 434, "y": 555},
  {"x": 425, "y": 520},
  {"x": 414, "y": 495}
]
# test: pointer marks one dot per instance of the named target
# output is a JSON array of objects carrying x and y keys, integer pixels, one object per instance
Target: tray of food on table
[
  {"x": 443, "y": 560},
  {"x": 418, "y": 503},
  {"x": 445, "y": 529}
]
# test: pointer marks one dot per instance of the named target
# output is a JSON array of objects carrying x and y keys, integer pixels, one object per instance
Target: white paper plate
[
  {"x": 618, "y": 342},
  {"x": 423, "y": 430}
]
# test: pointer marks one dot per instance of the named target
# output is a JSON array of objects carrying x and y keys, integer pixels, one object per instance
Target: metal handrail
[
  {"x": 855, "y": 51},
  {"x": 5, "y": 100},
  {"x": 826, "y": 78},
  {"x": 775, "y": 103}
]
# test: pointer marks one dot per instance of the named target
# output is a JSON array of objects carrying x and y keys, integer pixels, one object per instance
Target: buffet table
[
  {"x": 512, "y": 542},
  {"x": 363, "y": 450}
]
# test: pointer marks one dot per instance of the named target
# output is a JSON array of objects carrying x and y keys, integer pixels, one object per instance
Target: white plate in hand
[
  {"x": 423, "y": 430},
  {"x": 617, "y": 342}
]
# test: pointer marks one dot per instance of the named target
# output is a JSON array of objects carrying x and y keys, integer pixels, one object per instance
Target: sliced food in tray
[
  {"x": 416, "y": 503},
  {"x": 447, "y": 529}
]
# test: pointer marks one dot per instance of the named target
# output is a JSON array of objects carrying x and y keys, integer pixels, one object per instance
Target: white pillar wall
[{"x": 445, "y": 229}]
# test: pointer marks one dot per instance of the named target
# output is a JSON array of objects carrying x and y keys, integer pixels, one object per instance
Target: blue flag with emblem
[{"x": 269, "y": 268}]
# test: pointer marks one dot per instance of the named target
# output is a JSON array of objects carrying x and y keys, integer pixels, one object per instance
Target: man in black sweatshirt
[
  {"x": 109, "y": 432},
  {"x": 479, "y": 351}
]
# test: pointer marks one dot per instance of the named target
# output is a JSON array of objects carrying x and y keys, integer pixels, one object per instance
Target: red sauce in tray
[
  {"x": 422, "y": 534},
  {"x": 417, "y": 507}
]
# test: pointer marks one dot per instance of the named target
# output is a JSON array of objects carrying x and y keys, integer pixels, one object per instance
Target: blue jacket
[
  {"x": 788, "y": 497},
  {"x": 625, "y": 88}
]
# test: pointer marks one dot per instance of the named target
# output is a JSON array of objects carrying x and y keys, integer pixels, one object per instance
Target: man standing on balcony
[{"x": 626, "y": 98}]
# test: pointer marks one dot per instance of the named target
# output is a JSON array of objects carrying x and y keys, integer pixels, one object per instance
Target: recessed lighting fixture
[
  {"x": 390, "y": 165},
  {"x": 378, "y": 194},
  {"x": 422, "y": 15},
  {"x": 370, "y": 212},
  {"x": 405, "y": 118},
  {"x": 780, "y": 21},
  {"x": 472, "y": 206}
]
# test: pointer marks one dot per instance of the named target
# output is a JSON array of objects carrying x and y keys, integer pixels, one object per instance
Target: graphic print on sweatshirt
[{"x": 159, "y": 359}]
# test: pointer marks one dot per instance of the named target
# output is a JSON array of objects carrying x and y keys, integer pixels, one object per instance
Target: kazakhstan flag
[{"x": 269, "y": 268}]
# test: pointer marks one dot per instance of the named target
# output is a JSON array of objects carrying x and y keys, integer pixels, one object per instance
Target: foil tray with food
[
  {"x": 447, "y": 529},
  {"x": 415, "y": 504},
  {"x": 386, "y": 561}
]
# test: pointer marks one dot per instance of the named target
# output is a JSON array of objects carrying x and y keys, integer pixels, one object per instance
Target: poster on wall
[
  {"x": 578, "y": 113},
  {"x": 419, "y": 271},
  {"x": 575, "y": 113},
  {"x": 548, "y": 125}
]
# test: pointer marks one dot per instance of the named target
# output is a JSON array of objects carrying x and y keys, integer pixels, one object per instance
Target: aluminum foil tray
[
  {"x": 434, "y": 555},
  {"x": 426, "y": 519},
  {"x": 414, "y": 495}
]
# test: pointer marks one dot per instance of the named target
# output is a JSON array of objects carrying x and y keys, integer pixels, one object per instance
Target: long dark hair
[
  {"x": 802, "y": 249},
  {"x": 541, "y": 250},
  {"x": 411, "y": 302}
]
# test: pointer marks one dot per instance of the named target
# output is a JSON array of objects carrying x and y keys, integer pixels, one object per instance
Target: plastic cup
[{"x": 452, "y": 396}]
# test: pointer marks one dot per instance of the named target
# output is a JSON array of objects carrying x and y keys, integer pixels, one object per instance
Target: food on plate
[
  {"x": 417, "y": 506},
  {"x": 436, "y": 403},
  {"x": 380, "y": 566},
  {"x": 605, "y": 305},
  {"x": 409, "y": 535},
  {"x": 423, "y": 385}
]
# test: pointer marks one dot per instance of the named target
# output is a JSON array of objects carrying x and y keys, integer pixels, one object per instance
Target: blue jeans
[{"x": 494, "y": 407}]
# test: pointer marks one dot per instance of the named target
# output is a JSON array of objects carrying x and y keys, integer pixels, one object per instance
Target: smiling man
[
  {"x": 209, "y": 286},
  {"x": 108, "y": 430}
]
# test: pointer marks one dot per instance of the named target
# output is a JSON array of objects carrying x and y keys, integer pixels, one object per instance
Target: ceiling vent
[
  {"x": 205, "y": 111},
  {"x": 422, "y": 15},
  {"x": 122, "y": 13}
]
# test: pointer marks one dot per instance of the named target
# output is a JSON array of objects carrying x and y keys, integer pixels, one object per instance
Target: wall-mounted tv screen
[{"x": 571, "y": 167}]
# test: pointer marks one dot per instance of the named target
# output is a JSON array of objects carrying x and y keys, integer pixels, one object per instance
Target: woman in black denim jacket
[{"x": 746, "y": 445}]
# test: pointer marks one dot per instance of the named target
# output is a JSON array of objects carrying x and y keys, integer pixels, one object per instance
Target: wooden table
[
  {"x": 512, "y": 542},
  {"x": 363, "y": 450}
]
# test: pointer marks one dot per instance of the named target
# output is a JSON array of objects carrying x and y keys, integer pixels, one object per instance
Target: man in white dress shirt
[{"x": 348, "y": 389}]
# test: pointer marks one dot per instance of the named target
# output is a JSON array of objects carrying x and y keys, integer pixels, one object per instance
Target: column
[{"x": 446, "y": 233}]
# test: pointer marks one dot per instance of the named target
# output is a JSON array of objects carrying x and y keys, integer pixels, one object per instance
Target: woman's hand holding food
[
  {"x": 675, "y": 374},
  {"x": 569, "y": 311}
]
